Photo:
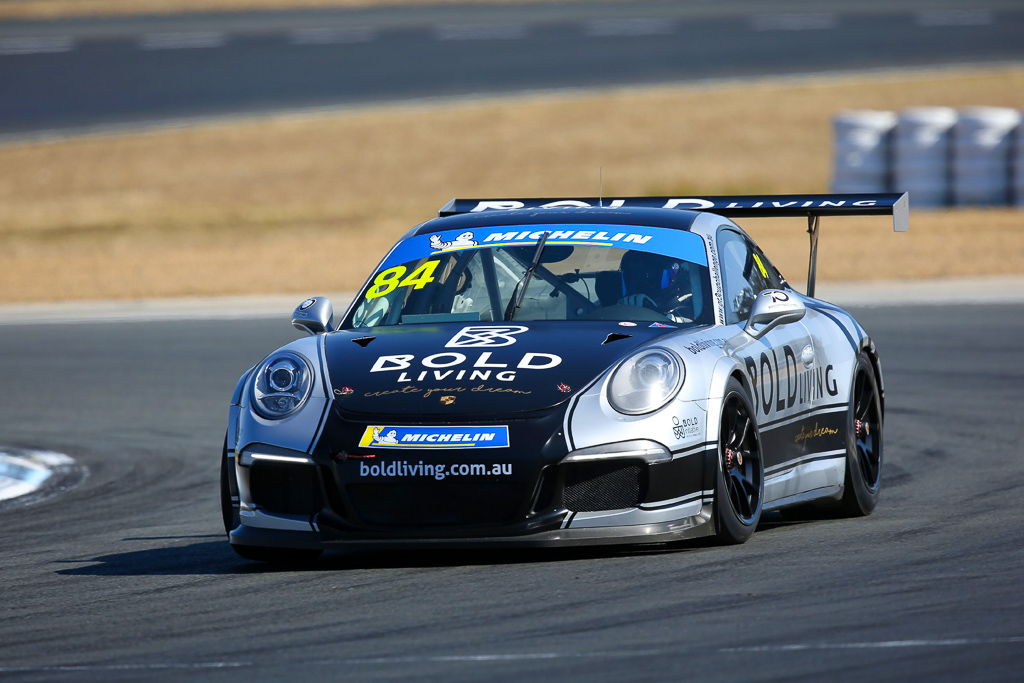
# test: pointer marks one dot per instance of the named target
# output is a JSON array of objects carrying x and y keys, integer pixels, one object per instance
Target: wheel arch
[
  {"x": 867, "y": 347},
  {"x": 234, "y": 409},
  {"x": 726, "y": 368}
]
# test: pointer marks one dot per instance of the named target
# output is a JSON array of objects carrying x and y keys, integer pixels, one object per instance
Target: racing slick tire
[
  {"x": 863, "y": 443},
  {"x": 229, "y": 511},
  {"x": 739, "y": 480}
]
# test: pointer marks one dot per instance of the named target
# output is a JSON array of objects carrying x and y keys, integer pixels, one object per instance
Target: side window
[
  {"x": 745, "y": 272},
  {"x": 772, "y": 277}
]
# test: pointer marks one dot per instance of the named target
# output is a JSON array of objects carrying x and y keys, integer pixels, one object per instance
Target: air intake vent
[{"x": 591, "y": 486}]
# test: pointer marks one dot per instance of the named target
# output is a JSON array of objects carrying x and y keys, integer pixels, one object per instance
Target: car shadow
[{"x": 206, "y": 557}]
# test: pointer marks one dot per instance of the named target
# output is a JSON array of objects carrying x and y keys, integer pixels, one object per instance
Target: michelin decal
[
  {"x": 387, "y": 436},
  {"x": 463, "y": 241}
]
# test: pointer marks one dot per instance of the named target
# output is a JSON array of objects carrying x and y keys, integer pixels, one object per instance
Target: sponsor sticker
[
  {"x": 685, "y": 427},
  {"x": 814, "y": 433},
  {"x": 660, "y": 325},
  {"x": 475, "y": 336},
  {"x": 393, "y": 436},
  {"x": 682, "y": 245}
]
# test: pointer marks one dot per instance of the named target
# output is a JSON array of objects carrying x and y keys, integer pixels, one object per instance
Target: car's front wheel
[{"x": 739, "y": 487}]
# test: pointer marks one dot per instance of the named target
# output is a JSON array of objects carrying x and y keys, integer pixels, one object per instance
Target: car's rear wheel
[
  {"x": 739, "y": 487},
  {"x": 229, "y": 511},
  {"x": 863, "y": 444}
]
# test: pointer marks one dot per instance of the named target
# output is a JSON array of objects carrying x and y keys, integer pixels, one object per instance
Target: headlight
[
  {"x": 646, "y": 382},
  {"x": 282, "y": 384}
]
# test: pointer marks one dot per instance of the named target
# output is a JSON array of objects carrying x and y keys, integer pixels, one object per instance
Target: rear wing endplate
[{"x": 813, "y": 206}]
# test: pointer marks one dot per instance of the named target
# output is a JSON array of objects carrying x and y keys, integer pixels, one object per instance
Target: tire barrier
[
  {"x": 941, "y": 156},
  {"x": 861, "y": 150}
]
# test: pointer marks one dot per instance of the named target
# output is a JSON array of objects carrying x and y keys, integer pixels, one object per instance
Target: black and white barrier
[
  {"x": 941, "y": 156},
  {"x": 861, "y": 149},
  {"x": 26, "y": 471},
  {"x": 921, "y": 152}
]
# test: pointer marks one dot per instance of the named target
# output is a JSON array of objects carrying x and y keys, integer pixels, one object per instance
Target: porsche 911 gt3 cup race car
[{"x": 533, "y": 372}]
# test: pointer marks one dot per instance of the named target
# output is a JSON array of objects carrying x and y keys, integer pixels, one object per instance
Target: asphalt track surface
[
  {"x": 128, "y": 576},
  {"x": 97, "y": 74}
]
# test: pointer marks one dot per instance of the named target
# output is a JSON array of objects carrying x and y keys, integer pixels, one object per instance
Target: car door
[{"x": 775, "y": 363}]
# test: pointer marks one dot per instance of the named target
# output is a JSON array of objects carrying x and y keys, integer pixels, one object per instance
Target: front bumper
[
  {"x": 694, "y": 526},
  {"x": 293, "y": 499}
]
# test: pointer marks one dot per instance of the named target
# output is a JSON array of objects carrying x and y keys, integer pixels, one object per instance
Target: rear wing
[{"x": 813, "y": 206}]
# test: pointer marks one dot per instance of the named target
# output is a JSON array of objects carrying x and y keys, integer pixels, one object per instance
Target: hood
[{"x": 455, "y": 369}]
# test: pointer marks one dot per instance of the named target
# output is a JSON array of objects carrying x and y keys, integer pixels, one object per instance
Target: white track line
[
  {"x": 535, "y": 656},
  {"x": 480, "y": 31},
  {"x": 328, "y": 35},
  {"x": 600, "y": 28},
  {"x": 878, "y": 645},
  {"x": 29, "y": 45},
  {"x": 794, "y": 21},
  {"x": 182, "y": 41},
  {"x": 954, "y": 17},
  {"x": 1008, "y": 289}
]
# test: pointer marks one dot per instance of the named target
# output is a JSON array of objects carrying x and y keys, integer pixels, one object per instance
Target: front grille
[
  {"x": 591, "y": 486},
  {"x": 437, "y": 503},
  {"x": 284, "y": 488}
]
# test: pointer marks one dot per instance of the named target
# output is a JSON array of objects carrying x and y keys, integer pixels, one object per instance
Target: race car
[{"x": 532, "y": 372}]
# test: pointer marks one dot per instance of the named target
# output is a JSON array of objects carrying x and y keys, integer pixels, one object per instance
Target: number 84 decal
[{"x": 390, "y": 279}]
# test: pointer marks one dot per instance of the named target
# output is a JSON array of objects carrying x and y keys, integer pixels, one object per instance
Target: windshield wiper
[{"x": 519, "y": 293}]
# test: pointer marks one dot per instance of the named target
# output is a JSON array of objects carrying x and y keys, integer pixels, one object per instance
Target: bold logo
[
  {"x": 688, "y": 426},
  {"x": 387, "y": 436},
  {"x": 485, "y": 336},
  {"x": 445, "y": 366},
  {"x": 782, "y": 384},
  {"x": 306, "y": 304}
]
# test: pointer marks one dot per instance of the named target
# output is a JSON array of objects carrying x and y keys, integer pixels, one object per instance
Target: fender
[
  {"x": 867, "y": 346},
  {"x": 725, "y": 368},
  {"x": 234, "y": 409}
]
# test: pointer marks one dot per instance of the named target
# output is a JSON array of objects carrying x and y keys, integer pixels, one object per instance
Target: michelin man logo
[
  {"x": 463, "y": 240},
  {"x": 390, "y": 438},
  {"x": 481, "y": 335}
]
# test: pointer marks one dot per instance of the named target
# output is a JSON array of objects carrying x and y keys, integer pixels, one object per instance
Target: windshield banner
[{"x": 676, "y": 243}]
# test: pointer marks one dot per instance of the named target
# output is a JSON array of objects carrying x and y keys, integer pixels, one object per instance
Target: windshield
[{"x": 618, "y": 273}]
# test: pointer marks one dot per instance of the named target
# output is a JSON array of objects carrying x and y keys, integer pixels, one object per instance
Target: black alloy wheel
[
  {"x": 739, "y": 489},
  {"x": 864, "y": 443}
]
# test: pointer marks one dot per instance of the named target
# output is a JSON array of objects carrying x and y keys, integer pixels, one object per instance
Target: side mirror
[
  {"x": 314, "y": 315},
  {"x": 773, "y": 307}
]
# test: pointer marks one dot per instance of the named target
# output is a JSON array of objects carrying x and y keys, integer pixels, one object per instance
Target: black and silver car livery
[{"x": 574, "y": 371}]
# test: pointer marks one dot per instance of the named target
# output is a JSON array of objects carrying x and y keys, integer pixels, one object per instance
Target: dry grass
[
  {"x": 51, "y": 9},
  {"x": 308, "y": 203}
]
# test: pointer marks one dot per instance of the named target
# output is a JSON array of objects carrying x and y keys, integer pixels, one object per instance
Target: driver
[
  {"x": 642, "y": 279},
  {"x": 654, "y": 281}
]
